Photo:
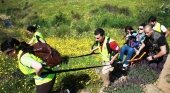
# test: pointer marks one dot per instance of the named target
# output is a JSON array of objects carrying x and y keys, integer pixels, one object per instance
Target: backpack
[
  {"x": 110, "y": 51},
  {"x": 117, "y": 64},
  {"x": 48, "y": 54}
]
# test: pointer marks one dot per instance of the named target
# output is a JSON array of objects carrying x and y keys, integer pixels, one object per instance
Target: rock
[
  {"x": 150, "y": 88},
  {"x": 164, "y": 79}
]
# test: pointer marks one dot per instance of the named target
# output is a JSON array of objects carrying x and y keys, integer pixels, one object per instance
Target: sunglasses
[{"x": 140, "y": 28}]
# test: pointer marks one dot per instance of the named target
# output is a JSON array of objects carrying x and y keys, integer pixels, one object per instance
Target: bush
[
  {"x": 63, "y": 30},
  {"x": 75, "y": 15},
  {"x": 116, "y": 10},
  {"x": 110, "y": 21},
  {"x": 80, "y": 26},
  {"x": 60, "y": 19}
]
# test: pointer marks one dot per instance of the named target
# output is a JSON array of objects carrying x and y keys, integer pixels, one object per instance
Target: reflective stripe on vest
[
  {"x": 27, "y": 70},
  {"x": 103, "y": 50},
  {"x": 157, "y": 27}
]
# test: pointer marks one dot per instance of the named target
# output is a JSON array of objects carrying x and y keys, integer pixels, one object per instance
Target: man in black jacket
[{"x": 158, "y": 48}]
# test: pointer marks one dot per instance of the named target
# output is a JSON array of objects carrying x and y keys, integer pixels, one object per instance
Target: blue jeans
[{"x": 129, "y": 51}]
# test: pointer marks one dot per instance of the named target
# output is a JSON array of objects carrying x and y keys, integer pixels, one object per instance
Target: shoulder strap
[
  {"x": 108, "y": 46},
  {"x": 110, "y": 51}
]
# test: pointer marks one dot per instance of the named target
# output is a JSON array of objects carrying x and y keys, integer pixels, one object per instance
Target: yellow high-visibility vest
[
  {"x": 104, "y": 51},
  {"x": 157, "y": 27},
  {"x": 28, "y": 70}
]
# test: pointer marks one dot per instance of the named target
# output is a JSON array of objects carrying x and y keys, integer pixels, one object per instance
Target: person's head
[
  {"x": 11, "y": 47},
  {"x": 99, "y": 34},
  {"x": 32, "y": 28},
  {"x": 128, "y": 29},
  {"x": 148, "y": 30},
  {"x": 141, "y": 28},
  {"x": 152, "y": 20}
]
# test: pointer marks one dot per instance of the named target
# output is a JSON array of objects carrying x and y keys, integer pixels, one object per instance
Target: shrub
[
  {"x": 75, "y": 15},
  {"x": 63, "y": 30},
  {"x": 60, "y": 19},
  {"x": 80, "y": 26},
  {"x": 107, "y": 20},
  {"x": 116, "y": 10}
]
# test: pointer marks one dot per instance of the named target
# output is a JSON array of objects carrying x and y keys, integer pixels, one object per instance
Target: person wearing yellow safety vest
[
  {"x": 29, "y": 64},
  {"x": 32, "y": 29},
  {"x": 157, "y": 26},
  {"x": 108, "y": 57}
]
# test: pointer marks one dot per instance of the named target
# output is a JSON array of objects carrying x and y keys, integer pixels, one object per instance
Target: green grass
[{"x": 75, "y": 20}]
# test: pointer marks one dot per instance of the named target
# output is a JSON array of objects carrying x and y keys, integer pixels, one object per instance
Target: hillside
[{"x": 68, "y": 26}]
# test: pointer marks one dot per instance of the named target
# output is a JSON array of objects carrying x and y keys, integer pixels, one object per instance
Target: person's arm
[
  {"x": 167, "y": 33},
  {"x": 159, "y": 54},
  {"x": 36, "y": 38},
  {"x": 165, "y": 30},
  {"x": 140, "y": 48},
  {"x": 37, "y": 66},
  {"x": 94, "y": 47},
  {"x": 113, "y": 58},
  {"x": 28, "y": 61},
  {"x": 162, "y": 45}
]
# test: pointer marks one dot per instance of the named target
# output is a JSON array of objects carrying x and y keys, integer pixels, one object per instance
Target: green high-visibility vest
[
  {"x": 35, "y": 39},
  {"x": 28, "y": 70},
  {"x": 157, "y": 27},
  {"x": 104, "y": 51}
]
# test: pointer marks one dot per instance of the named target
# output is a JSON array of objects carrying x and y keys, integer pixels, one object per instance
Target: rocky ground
[{"x": 162, "y": 85}]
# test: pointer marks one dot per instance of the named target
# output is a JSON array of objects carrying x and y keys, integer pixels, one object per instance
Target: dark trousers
[
  {"x": 46, "y": 87},
  {"x": 158, "y": 64}
]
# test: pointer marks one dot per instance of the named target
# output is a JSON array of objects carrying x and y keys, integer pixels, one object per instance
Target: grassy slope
[{"x": 72, "y": 43}]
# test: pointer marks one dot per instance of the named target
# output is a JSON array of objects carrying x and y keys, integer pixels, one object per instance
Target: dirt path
[
  {"x": 163, "y": 83},
  {"x": 164, "y": 78}
]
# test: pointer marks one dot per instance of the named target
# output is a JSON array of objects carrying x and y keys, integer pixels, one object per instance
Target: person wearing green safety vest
[
  {"x": 157, "y": 26},
  {"x": 29, "y": 64},
  {"x": 103, "y": 42},
  {"x": 32, "y": 29}
]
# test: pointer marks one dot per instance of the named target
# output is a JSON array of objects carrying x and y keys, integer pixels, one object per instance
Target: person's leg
[
  {"x": 46, "y": 87},
  {"x": 106, "y": 79},
  {"x": 161, "y": 63},
  {"x": 153, "y": 66},
  {"x": 130, "y": 53},
  {"x": 122, "y": 52}
]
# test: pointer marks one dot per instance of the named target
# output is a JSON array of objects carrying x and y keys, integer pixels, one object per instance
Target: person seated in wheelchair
[{"x": 132, "y": 44}]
